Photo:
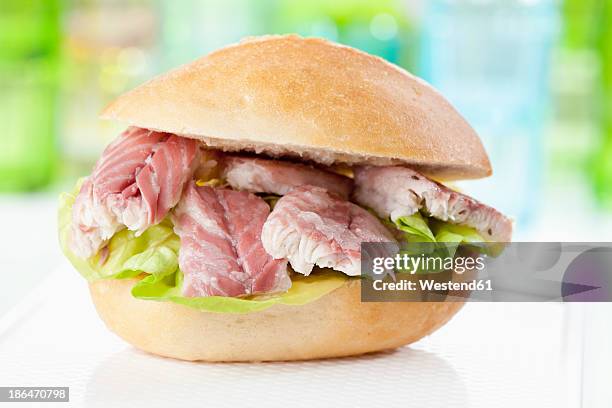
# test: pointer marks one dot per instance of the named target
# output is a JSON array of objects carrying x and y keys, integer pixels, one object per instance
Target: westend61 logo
[{"x": 510, "y": 272}]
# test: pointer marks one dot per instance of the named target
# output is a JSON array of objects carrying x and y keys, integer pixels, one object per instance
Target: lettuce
[
  {"x": 155, "y": 251},
  {"x": 415, "y": 227},
  {"x": 304, "y": 289},
  {"x": 155, "y": 254},
  {"x": 437, "y": 238},
  {"x": 446, "y": 232},
  {"x": 420, "y": 229}
]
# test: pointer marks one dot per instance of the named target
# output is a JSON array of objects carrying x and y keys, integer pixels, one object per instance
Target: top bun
[{"x": 310, "y": 98}]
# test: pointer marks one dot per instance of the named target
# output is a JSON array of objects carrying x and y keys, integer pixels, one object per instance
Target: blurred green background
[{"x": 534, "y": 77}]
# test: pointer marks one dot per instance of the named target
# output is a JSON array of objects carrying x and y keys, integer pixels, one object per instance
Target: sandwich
[{"x": 225, "y": 223}]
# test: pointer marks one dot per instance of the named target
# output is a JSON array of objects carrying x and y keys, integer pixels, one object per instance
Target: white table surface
[{"x": 490, "y": 355}]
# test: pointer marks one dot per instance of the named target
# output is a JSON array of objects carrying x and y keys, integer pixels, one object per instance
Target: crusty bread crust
[
  {"x": 308, "y": 98},
  {"x": 336, "y": 325}
]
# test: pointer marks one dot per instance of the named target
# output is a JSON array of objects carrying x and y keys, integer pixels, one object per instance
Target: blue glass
[{"x": 491, "y": 60}]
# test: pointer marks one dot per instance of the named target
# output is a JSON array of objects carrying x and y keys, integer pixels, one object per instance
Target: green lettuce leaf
[
  {"x": 155, "y": 253},
  {"x": 415, "y": 227},
  {"x": 304, "y": 289},
  {"x": 421, "y": 229},
  {"x": 446, "y": 232},
  {"x": 436, "y": 238},
  {"x": 456, "y": 235}
]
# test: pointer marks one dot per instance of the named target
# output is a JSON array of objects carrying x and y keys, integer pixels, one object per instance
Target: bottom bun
[{"x": 336, "y": 325}]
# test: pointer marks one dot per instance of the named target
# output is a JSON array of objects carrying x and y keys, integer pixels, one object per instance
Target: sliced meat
[
  {"x": 279, "y": 177},
  {"x": 92, "y": 224},
  {"x": 397, "y": 191},
  {"x": 309, "y": 226},
  {"x": 138, "y": 179},
  {"x": 221, "y": 252}
]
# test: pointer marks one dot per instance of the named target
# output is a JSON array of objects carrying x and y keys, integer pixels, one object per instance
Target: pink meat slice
[
  {"x": 310, "y": 226},
  {"x": 397, "y": 191},
  {"x": 136, "y": 181},
  {"x": 279, "y": 177},
  {"x": 221, "y": 252}
]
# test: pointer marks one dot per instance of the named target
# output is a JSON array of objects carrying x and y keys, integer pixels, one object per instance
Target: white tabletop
[{"x": 490, "y": 355}]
